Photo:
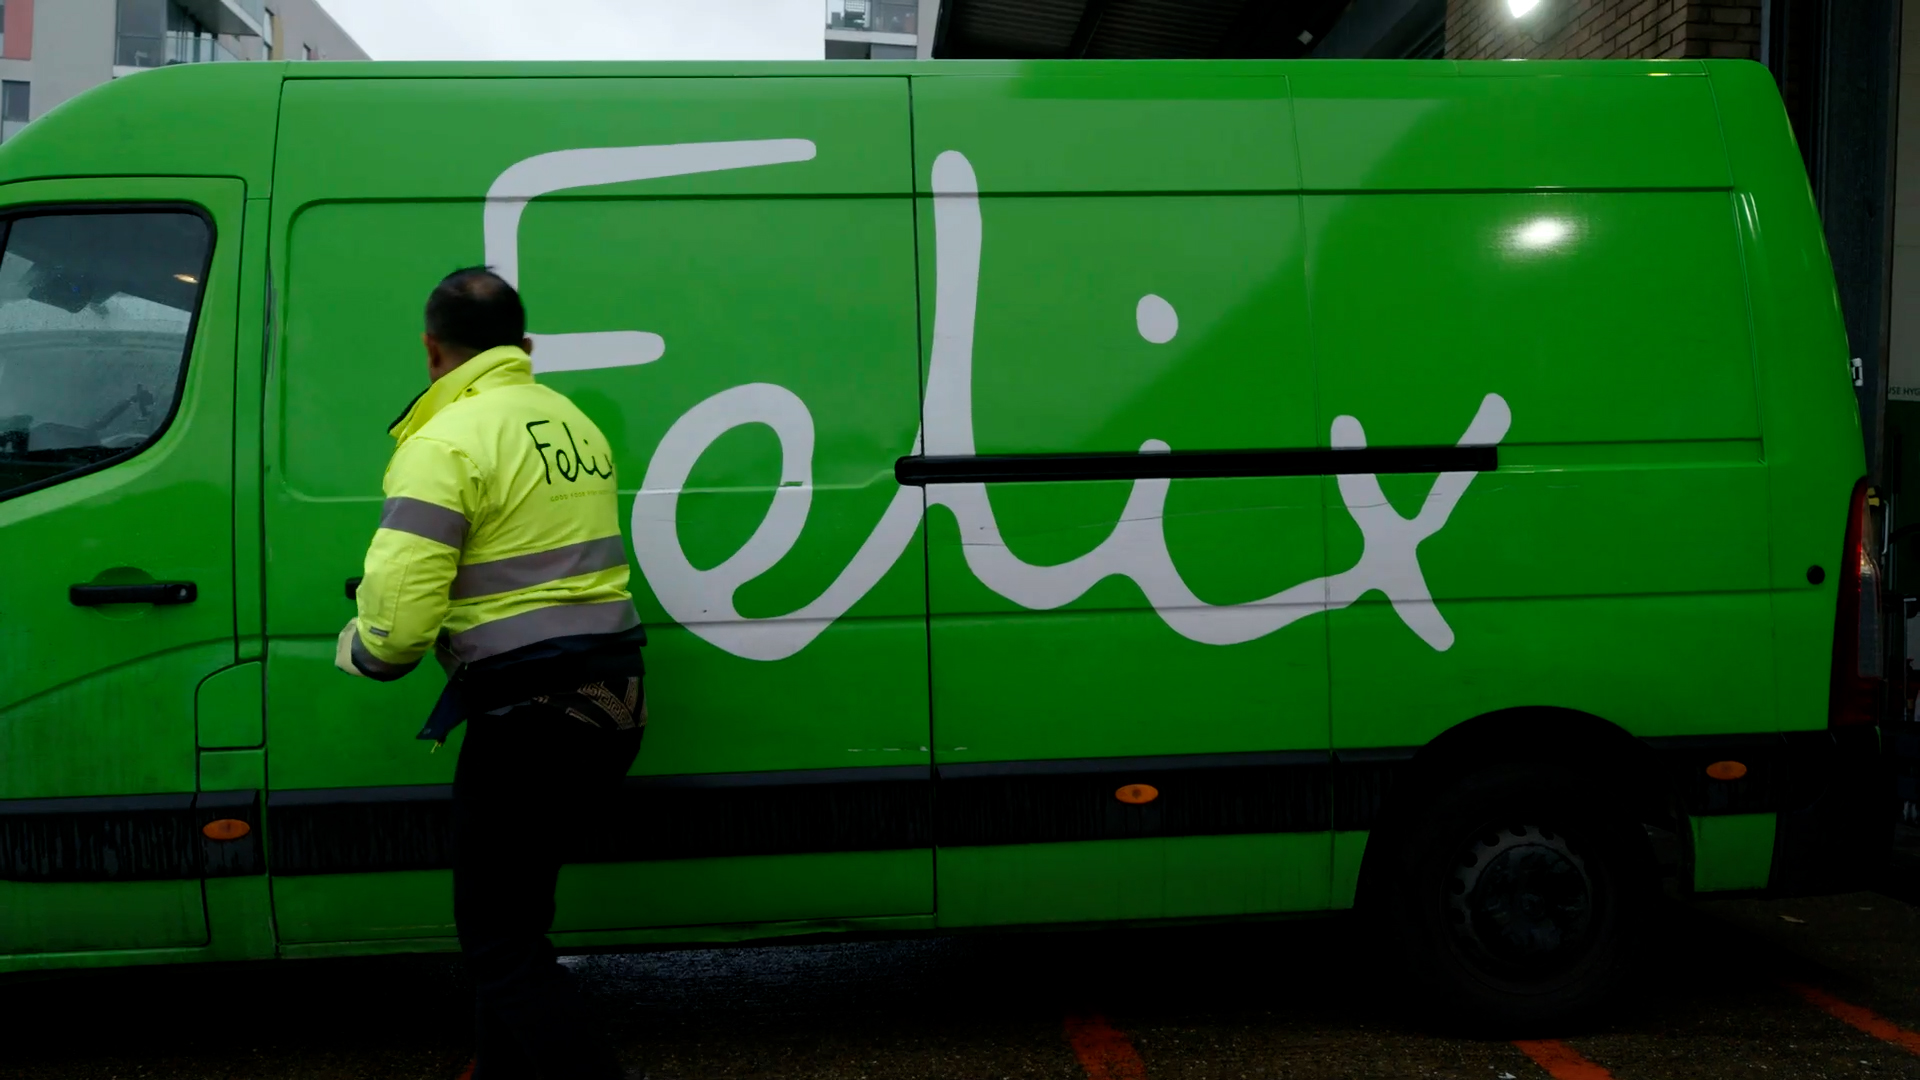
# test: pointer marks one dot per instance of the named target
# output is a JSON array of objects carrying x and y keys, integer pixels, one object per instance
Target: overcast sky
[{"x": 584, "y": 29}]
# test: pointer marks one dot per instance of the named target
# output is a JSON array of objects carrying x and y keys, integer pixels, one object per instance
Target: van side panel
[
  {"x": 1572, "y": 290},
  {"x": 1813, "y": 441},
  {"x": 1625, "y": 530}
]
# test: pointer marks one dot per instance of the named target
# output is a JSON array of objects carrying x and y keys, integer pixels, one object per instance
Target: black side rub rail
[
  {"x": 1809, "y": 778},
  {"x": 1190, "y": 464},
  {"x": 129, "y": 837}
]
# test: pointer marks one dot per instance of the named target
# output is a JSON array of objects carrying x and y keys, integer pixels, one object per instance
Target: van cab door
[
  {"x": 1125, "y": 553},
  {"x": 117, "y": 302}
]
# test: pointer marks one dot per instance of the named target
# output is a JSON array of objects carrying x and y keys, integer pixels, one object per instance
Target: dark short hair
[{"x": 476, "y": 309}]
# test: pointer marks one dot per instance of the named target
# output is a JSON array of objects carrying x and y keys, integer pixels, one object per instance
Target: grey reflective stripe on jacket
[
  {"x": 560, "y": 620},
  {"x": 539, "y": 568},
  {"x": 422, "y": 518}
]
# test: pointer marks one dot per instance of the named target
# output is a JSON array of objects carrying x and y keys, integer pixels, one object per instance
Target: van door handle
[{"x": 156, "y": 592}]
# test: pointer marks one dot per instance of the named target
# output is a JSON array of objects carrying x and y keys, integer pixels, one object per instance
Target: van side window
[{"x": 96, "y": 312}]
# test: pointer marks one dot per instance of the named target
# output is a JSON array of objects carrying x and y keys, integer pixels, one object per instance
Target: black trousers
[{"x": 528, "y": 782}]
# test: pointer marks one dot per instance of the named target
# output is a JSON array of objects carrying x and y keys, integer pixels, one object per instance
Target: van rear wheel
[{"x": 1518, "y": 901}]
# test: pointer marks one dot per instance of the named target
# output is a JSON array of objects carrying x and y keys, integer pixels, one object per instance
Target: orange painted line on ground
[
  {"x": 1103, "y": 1051},
  {"x": 1863, "y": 1018},
  {"x": 467, "y": 1073},
  {"x": 1561, "y": 1061}
]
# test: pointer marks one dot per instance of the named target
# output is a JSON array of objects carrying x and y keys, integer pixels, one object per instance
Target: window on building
[
  {"x": 3, "y": 26},
  {"x": 15, "y": 107},
  {"x": 95, "y": 316},
  {"x": 894, "y": 18},
  {"x": 881, "y": 16},
  {"x": 155, "y": 33},
  {"x": 308, "y": 52}
]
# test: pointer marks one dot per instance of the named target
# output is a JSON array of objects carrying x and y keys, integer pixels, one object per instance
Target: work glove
[{"x": 343, "y": 649}]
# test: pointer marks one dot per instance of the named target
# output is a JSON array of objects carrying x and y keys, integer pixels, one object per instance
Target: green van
[{"x": 1059, "y": 493}]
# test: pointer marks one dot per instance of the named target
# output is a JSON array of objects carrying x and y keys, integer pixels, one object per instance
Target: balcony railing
[
  {"x": 874, "y": 16},
  {"x": 242, "y": 18},
  {"x": 173, "y": 47}
]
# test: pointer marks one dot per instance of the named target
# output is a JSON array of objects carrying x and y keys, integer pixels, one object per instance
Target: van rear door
[{"x": 117, "y": 304}]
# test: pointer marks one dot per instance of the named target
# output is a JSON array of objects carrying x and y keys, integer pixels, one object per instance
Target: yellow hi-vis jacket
[{"x": 500, "y": 525}]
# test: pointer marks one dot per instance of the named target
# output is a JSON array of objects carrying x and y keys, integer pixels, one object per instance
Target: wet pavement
[{"x": 1724, "y": 994}]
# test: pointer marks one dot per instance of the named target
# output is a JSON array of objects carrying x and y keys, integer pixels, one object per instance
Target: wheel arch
[{"x": 1578, "y": 744}]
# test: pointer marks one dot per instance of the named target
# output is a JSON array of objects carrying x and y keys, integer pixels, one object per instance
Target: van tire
[{"x": 1517, "y": 897}]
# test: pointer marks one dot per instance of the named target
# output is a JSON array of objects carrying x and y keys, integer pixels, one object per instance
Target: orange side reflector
[
  {"x": 226, "y": 828},
  {"x": 1726, "y": 770},
  {"x": 1137, "y": 793}
]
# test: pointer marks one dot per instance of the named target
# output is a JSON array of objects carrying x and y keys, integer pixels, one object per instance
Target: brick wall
[{"x": 1603, "y": 30}]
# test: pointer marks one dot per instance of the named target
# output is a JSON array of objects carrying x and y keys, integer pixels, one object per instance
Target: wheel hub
[{"x": 1522, "y": 895}]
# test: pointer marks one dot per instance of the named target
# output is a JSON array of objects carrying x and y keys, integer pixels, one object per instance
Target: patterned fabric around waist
[{"x": 607, "y": 704}]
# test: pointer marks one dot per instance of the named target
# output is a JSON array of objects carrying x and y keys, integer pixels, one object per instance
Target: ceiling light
[
  {"x": 188, "y": 278},
  {"x": 1521, "y": 7}
]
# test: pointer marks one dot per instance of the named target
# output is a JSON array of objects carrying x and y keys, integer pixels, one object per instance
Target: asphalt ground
[{"x": 1732, "y": 988}]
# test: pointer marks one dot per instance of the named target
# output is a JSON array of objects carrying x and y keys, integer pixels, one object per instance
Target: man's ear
[{"x": 526, "y": 345}]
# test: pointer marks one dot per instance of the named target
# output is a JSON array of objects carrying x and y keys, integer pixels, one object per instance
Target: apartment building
[
  {"x": 54, "y": 49},
  {"x": 880, "y": 29}
]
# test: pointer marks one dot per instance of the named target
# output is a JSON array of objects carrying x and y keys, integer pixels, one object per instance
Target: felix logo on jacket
[{"x": 569, "y": 461}]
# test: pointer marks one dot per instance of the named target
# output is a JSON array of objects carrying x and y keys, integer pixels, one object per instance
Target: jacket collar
[{"x": 504, "y": 366}]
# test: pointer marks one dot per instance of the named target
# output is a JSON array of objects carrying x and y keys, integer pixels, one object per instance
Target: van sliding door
[
  {"x": 1124, "y": 536},
  {"x": 720, "y": 272}
]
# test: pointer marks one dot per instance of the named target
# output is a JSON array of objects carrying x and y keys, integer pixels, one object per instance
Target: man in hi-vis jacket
[{"x": 499, "y": 548}]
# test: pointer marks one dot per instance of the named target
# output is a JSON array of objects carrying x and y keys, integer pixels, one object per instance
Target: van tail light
[{"x": 1858, "y": 645}]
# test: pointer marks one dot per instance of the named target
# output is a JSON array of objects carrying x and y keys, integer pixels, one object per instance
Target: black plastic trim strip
[
  {"x": 969, "y": 804},
  {"x": 1786, "y": 771},
  {"x": 789, "y": 778},
  {"x": 361, "y": 830},
  {"x": 702, "y": 815},
  {"x": 1362, "y": 781},
  {"x": 1191, "y": 464},
  {"x": 886, "y": 808},
  {"x": 99, "y": 804},
  {"x": 697, "y": 815},
  {"x": 1118, "y": 765},
  {"x": 332, "y": 796},
  {"x": 127, "y": 837},
  {"x": 230, "y": 858},
  {"x": 1040, "y": 802}
]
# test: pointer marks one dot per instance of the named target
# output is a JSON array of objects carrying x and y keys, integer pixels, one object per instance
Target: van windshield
[{"x": 95, "y": 311}]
